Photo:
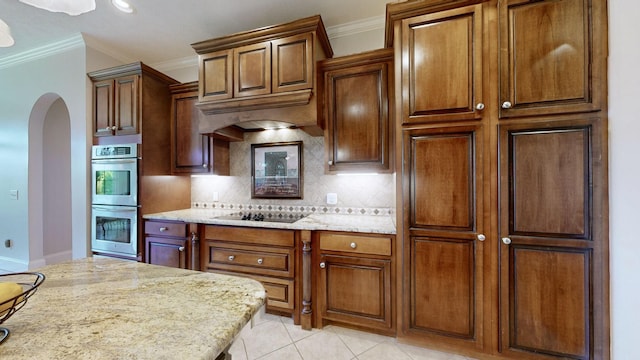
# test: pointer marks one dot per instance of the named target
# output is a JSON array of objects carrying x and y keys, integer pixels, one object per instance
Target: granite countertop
[
  {"x": 380, "y": 224},
  {"x": 103, "y": 308}
]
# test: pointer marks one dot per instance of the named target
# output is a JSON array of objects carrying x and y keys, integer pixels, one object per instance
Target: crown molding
[
  {"x": 40, "y": 52},
  {"x": 356, "y": 27}
]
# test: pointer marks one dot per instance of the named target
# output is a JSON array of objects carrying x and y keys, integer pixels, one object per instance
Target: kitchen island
[{"x": 103, "y": 308}]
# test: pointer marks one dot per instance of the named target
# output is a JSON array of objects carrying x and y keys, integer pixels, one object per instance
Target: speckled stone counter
[
  {"x": 102, "y": 308},
  {"x": 378, "y": 224}
]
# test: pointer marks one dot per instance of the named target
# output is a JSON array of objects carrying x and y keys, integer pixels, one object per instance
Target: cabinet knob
[
  {"x": 481, "y": 237},
  {"x": 322, "y": 265},
  {"x": 506, "y": 105},
  {"x": 205, "y": 166},
  {"x": 181, "y": 248},
  {"x": 330, "y": 162},
  {"x": 506, "y": 240},
  {"x": 163, "y": 229},
  {"x": 231, "y": 257},
  {"x": 353, "y": 245},
  {"x": 114, "y": 128},
  {"x": 260, "y": 261},
  {"x": 108, "y": 128},
  {"x": 480, "y": 106}
]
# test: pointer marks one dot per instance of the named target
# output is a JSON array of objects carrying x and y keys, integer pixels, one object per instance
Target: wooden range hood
[{"x": 263, "y": 78}]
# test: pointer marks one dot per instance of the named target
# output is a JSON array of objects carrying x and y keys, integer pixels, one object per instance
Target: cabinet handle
[
  {"x": 330, "y": 162},
  {"x": 181, "y": 248},
  {"x": 114, "y": 128},
  {"x": 506, "y": 240},
  {"x": 205, "y": 166},
  {"x": 163, "y": 229},
  {"x": 322, "y": 265},
  {"x": 480, "y": 106},
  {"x": 231, "y": 257},
  {"x": 353, "y": 245},
  {"x": 506, "y": 105},
  {"x": 481, "y": 237},
  {"x": 260, "y": 261},
  {"x": 108, "y": 128}
]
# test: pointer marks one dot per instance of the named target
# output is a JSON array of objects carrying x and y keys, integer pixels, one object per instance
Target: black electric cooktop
[{"x": 268, "y": 216}]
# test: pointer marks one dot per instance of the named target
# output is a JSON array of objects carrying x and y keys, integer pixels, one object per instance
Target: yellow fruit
[{"x": 8, "y": 291}]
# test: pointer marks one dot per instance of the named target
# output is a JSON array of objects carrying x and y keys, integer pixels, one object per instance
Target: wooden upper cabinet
[
  {"x": 358, "y": 112},
  {"x": 252, "y": 70},
  {"x": 103, "y": 94},
  {"x": 192, "y": 152},
  {"x": 292, "y": 63},
  {"x": 216, "y": 76},
  {"x": 549, "y": 50},
  {"x": 442, "y": 66}
]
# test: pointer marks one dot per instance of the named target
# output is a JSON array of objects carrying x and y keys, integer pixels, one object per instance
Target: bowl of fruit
[{"x": 15, "y": 290}]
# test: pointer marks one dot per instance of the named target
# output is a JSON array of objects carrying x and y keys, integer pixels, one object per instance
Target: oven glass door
[
  {"x": 115, "y": 182},
  {"x": 114, "y": 230}
]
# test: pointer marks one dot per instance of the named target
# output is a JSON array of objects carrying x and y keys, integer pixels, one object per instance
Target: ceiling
[{"x": 162, "y": 30}]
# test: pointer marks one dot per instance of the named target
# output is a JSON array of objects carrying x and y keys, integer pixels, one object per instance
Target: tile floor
[{"x": 276, "y": 338}]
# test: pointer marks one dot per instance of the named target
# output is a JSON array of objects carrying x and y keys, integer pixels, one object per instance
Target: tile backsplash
[{"x": 370, "y": 194}]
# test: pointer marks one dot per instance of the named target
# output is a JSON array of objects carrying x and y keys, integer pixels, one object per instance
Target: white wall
[
  {"x": 624, "y": 175},
  {"x": 58, "y": 75}
]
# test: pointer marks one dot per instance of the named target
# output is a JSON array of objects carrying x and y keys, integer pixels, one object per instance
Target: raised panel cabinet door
[
  {"x": 215, "y": 76},
  {"x": 103, "y": 108},
  {"x": 551, "y": 56},
  {"x": 358, "y": 118},
  {"x": 552, "y": 243},
  {"x": 442, "y": 66},
  {"x": 127, "y": 105},
  {"x": 190, "y": 148},
  {"x": 252, "y": 70},
  {"x": 444, "y": 235},
  {"x": 167, "y": 252},
  {"x": 356, "y": 290},
  {"x": 293, "y": 63}
]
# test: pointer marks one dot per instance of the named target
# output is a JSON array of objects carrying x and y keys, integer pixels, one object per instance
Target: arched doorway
[{"x": 49, "y": 181}]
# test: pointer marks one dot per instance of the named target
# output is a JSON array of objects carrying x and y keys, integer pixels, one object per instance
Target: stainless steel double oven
[{"x": 115, "y": 207}]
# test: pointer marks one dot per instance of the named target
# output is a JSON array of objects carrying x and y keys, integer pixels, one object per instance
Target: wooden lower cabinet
[
  {"x": 267, "y": 255},
  {"x": 354, "y": 281},
  {"x": 173, "y": 244}
]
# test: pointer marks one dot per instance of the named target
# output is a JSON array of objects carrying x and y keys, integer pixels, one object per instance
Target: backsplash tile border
[{"x": 306, "y": 209}]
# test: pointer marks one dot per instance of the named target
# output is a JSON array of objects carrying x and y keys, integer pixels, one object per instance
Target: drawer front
[
  {"x": 165, "y": 228},
  {"x": 356, "y": 244},
  {"x": 280, "y": 292},
  {"x": 253, "y": 261},
  {"x": 257, "y": 236}
]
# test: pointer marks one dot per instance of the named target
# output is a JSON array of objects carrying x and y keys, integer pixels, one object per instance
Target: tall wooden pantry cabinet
[{"x": 503, "y": 218}]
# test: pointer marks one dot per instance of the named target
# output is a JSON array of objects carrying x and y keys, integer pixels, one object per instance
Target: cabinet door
[
  {"x": 190, "y": 149},
  {"x": 167, "y": 252},
  {"x": 215, "y": 78},
  {"x": 252, "y": 70},
  {"x": 444, "y": 247},
  {"x": 442, "y": 66},
  {"x": 356, "y": 291},
  {"x": 103, "y": 108},
  {"x": 358, "y": 127},
  {"x": 552, "y": 243},
  {"x": 126, "y": 105},
  {"x": 292, "y": 61},
  {"x": 549, "y": 50}
]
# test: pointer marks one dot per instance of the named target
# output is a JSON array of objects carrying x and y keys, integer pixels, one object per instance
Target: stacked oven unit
[{"x": 115, "y": 201}]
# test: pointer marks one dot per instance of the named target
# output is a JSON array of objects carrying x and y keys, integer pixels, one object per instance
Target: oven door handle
[
  {"x": 114, "y": 161},
  {"x": 114, "y": 209}
]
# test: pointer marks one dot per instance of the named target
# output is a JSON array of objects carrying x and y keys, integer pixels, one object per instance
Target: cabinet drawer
[
  {"x": 258, "y": 236},
  {"x": 280, "y": 292},
  {"x": 165, "y": 228},
  {"x": 275, "y": 262},
  {"x": 356, "y": 244}
]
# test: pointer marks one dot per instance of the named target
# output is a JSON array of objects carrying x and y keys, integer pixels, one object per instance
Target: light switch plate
[
  {"x": 332, "y": 198},
  {"x": 13, "y": 194}
]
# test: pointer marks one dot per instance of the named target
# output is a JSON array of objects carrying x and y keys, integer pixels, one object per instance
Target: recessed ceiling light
[
  {"x": 6, "y": 39},
  {"x": 123, "y": 6}
]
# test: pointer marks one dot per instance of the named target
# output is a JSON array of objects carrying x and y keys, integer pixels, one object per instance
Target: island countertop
[{"x": 103, "y": 308}]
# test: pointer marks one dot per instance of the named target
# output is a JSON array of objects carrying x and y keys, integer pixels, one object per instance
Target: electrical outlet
[
  {"x": 332, "y": 198},
  {"x": 215, "y": 196},
  {"x": 7, "y": 243}
]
